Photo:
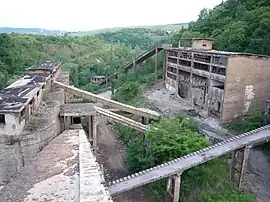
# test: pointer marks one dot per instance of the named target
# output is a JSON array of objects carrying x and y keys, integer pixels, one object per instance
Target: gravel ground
[
  {"x": 52, "y": 176},
  {"x": 257, "y": 174},
  {"x": 112, "y": 155}
]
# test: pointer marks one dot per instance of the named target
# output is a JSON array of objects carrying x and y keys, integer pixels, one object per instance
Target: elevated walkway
[
  {"x": 138, "y": 60},
  {"x": 142, "y": 57}
]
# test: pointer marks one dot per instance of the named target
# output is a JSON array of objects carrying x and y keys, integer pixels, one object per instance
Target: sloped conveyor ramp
[{"x": 193, "y": 159}]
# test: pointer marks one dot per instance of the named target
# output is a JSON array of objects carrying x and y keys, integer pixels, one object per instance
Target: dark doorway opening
[{"x": 76, "y": 120}]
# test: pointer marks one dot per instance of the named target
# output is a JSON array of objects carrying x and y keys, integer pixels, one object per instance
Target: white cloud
[{"x": 95, "y": 14}]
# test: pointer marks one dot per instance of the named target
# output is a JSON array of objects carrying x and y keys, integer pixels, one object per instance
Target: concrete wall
[
  {"x": 247, "y": 86},
  {"x": 15, "y": 151},
  {"x": 58, "y": 94},
  {"x": 171, "y": 85},
  {"x": 23, "y": 142},
  {"x": 13, "y": 125},
  {"x": 202, "y": 44}
]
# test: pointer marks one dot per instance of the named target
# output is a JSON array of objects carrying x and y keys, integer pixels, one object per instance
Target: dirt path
[
  {"x": 111, "y": 154},
  {"x": 259, "y": 170}
]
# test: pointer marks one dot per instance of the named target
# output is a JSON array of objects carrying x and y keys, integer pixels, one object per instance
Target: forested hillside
[
  {"x": 235, "y": 25},
  {"x": 81, "y": 56},
  {"x": 140, "y": 38}
]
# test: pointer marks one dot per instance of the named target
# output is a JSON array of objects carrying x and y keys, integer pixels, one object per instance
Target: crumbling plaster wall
[
  {"x": 171, "y": 85},
  {"x": 247, "y": 86}
]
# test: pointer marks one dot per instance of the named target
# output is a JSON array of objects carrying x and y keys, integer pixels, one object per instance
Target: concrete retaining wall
[{"x": 15, "y": 151}]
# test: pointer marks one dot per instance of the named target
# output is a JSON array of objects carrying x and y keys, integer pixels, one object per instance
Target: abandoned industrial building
[
  {"x": 226, "y": 85},
  {"x": 39, "y": 107}
]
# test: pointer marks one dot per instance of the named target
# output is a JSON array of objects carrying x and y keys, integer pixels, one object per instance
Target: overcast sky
[{"x": 75, "y": 15}]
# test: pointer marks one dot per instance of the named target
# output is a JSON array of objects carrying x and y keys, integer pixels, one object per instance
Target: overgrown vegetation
[
  {"x": 83, "y": 57},
  {"x": 235, "y": 25},
  {"x": 173, "y": 138},
  {"x": 137, "y": 38},
  {"x": 252, "y": 121}
]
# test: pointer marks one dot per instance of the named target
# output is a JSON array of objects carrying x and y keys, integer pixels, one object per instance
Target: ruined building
[
  {"x": 29, "y": 110},
  {"x": 226, "y": 85}
]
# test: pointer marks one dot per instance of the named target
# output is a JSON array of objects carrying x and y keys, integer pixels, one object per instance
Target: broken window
[{"x": 2, "y": 118}]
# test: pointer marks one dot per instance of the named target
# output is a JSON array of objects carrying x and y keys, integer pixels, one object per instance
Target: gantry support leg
[
  {"x": 173, "y": 188},
  {"x": 145, "y": 121},
  {"x": 238, "y": 164}
]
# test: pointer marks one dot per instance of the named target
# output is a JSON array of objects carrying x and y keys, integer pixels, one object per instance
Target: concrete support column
[
  {"x": 208, "y": 91},
  {"x": 134, "y": 63},
  {"x": 94, "y": 123},
  {"x": 90, "y": 129},
  {"x": 173, "y": 188},
  {"x": 145, "y": 120},
  {"x": 238, "y": 164},
  {"x": 190, "y": 98},
  {"x": 67, "y": 122},
  {"x": 156, "y": 64},
  {"x": 164, "y": 65}
]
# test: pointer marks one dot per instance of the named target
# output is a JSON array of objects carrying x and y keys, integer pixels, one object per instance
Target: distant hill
[
  {"x": 39, "y": 31},
  {"x": 167, "y": 27}
]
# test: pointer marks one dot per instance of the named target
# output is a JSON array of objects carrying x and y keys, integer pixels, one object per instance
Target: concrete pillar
[
  {"x": 209, "y": 90},
  {"x": 94, "y": 123},
  {"x": 90, "y": 129},
  {"x": 238, "y": 164},
  {"x": 190, "y": 98},
  {"x": 173, "y": 184},
  {"x": 165, "y": 65},
  {"x": 176, "y": 191},
  {"x": 168, "y": 195},
  {"x": 134, "y": 63},
  {"x": 145, "y": 120},
  {"x": 156, "y": 64},
  {"x": 65, "y": 123}
]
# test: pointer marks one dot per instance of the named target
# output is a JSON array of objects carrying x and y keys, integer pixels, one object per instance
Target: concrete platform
[{"x": 65, "y": 170}]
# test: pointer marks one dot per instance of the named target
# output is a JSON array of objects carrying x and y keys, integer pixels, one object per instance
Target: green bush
[
  {"x": 252, "y": 121},
  {"x": 127, "y": 91},
  {"x": 173, "y": 138}
]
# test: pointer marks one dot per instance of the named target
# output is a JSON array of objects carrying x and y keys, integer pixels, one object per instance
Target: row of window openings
[
  {"x": 215, "y": 70},
  {"x": 202, "y": 58}
]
